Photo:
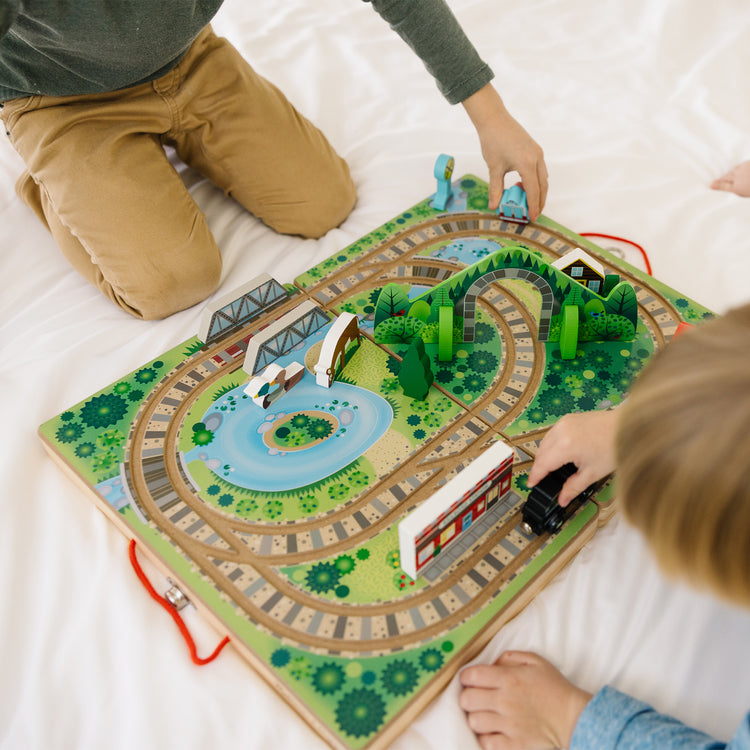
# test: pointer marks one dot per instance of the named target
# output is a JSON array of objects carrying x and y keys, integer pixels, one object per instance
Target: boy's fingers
[
  {"x": 544, "y": 184},
  {"x": 531, "y": 185},
  {"x": 480, "y": 676},
  {"x": 514, "y": 658},
  {"x": 496, "y": 191},
  {"x": 572, "y": 488},
  {"x": 536, "y": 473},
  {"x": 478, "y": 699},
  {"x": 576, "y": 484},
  {"x": 546, "y": 461},
  {"x": 486, "y": 722},
  {"x": 722, "y": 183},
  {"x": 495, "y": 742}
]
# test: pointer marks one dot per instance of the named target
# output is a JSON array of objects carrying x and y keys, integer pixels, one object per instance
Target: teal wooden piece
[{"x": 443, "y": 171}]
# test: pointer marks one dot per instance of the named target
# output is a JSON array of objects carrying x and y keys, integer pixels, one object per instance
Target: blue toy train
[{"x": 514, "y": 205}]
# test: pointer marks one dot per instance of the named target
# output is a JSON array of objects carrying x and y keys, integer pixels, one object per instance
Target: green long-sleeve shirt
[
  {"x": 70, "y": 47},
  {"x": 432, "y": 31}
]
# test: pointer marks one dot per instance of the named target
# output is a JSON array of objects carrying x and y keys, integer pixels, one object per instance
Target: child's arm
[
  {"x": 585, "y": 439},
  {"x": 613, "y": 720},
  {"x": 8, "y": 12},
  {"x": 522, "y": 702},
  {"x": 430, "y": 28},
  {"x": 507, "y": 146}
]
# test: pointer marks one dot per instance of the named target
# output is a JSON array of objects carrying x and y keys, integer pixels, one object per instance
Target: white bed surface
[{"x": 638, "y": 106}]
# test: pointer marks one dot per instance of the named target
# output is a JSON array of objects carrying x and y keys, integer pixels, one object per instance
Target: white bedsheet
[{"x": 638, "y": 105}]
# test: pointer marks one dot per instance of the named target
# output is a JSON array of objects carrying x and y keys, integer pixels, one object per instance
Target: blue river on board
[{"x": 239, "y": 454}]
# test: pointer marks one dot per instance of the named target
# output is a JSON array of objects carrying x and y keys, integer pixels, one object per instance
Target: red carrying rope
[
  {"x": 176, "y": 616},
  {"x": 622, "y": 239}
]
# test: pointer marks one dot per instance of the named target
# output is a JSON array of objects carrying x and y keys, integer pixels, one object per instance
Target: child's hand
[
  {"x": 586, "y": 439},
  {"x": 736, "y": 180},
  {"x": 506, "y": 147},
  {"x": 521, "y": 702}
]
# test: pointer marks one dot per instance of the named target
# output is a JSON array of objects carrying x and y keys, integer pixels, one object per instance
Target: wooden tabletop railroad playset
[{"x": 334, "y": 471}]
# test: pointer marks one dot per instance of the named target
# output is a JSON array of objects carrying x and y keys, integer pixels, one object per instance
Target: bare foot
[{"x": 736, "y": 180}]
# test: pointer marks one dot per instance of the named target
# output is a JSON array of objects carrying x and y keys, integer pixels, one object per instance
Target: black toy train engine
[{"x": 541, "y": 511}]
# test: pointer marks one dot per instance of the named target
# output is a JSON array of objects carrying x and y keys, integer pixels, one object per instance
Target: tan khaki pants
[{"x": 99, "y": 178}]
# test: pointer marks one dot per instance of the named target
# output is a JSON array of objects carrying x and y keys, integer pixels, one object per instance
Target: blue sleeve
[
  {"x": 433, "y": 32},
  {"x": 613, "y": 720}
]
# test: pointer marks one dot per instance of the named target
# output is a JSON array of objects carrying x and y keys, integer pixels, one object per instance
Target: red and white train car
[{"x": 439, "y": 521}]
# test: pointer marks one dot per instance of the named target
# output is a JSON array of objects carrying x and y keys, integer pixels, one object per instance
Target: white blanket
[{"x": 638, "y": 105}]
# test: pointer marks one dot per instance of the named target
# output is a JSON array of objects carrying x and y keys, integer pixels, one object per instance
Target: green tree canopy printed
[
  {"x": 392, "y": 301},
  {"x": 622, "y": 301},
  {"x": 104, "y": 410},
  {"x": 401, "y": 330},
  {"x": 420, "y": 310}
]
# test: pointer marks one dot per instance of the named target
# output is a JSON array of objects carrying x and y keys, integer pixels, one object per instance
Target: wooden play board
[{"x": 281, "y": 525}]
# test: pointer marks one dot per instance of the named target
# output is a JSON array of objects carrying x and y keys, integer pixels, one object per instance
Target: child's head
[{"x": 683, "y": 455}]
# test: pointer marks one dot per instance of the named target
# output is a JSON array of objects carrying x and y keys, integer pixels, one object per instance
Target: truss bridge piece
[
  {"x": 282, "y": 335},
  {"x": 237, "y": 308}
]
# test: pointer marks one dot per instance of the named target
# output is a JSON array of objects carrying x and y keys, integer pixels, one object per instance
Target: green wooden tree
[
  {"x": 440, "y": 298},
  {"x": 575, "y": 298},
  {"x": 415, "y": 374},
  {"x": 445, "y": 333}
]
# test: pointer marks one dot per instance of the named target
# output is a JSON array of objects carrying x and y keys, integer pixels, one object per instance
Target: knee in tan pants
[
  {"x": 148, "y": 286},
  {"x": 320, "y": 201},
  {"x": 159, "y": 295},
  {"x": 320, "y": 210}
]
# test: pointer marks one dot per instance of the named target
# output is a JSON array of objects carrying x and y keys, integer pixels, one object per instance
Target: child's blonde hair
[{"x": 683, "y": 455}]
